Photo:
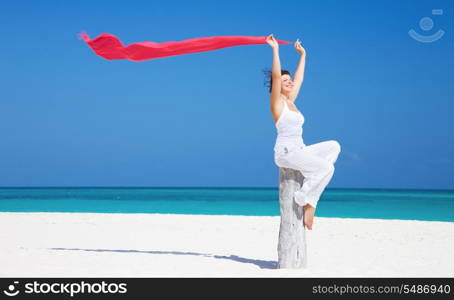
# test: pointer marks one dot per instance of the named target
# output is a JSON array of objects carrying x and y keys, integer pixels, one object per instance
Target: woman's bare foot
[{"x": 309, "y": 212}]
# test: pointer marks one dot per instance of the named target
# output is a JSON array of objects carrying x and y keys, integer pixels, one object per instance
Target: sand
[{"x": 171, "y": 245}]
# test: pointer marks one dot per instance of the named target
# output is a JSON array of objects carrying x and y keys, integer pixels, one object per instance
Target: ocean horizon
[{"x": 403, "y": 204}]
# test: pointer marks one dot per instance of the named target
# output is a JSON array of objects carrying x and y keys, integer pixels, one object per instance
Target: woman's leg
[
  {"x": 313, "y": 167},
  {"x": 309, "y": 201},
  {"x": 311, "y": 197},
  {"x": 315, "y": 182},
  {"x": 328, "y": 150}
]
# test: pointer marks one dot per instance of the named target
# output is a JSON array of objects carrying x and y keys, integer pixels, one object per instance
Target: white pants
[{"x": 315, "y": 162}]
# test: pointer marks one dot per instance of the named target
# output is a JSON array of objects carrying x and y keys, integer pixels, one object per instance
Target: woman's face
[{"x": 287, "y": 83}]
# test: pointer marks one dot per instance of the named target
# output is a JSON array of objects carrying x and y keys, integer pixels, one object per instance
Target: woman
[{"x": 315, "y": 162}]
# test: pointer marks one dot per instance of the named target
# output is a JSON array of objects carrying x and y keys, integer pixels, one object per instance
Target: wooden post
[{"x": 292, "y": 253}]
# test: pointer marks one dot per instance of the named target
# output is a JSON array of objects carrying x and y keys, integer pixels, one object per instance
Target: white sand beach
[{"x": 161, "y": 245}]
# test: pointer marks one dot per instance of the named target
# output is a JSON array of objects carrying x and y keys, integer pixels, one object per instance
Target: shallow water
[{"x": 432, "y": 205}]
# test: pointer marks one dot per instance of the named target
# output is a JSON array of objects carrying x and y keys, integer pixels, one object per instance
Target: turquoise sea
[{"x": 432, "y": 205}]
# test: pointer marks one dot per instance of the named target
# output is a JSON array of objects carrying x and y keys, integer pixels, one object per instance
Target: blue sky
[{"x": 71, "y": 118}]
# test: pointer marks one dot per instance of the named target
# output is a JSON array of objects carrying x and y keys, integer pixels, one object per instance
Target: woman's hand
[
  {"x": 272, "y": 41},
  {"x": 299, "y": 48}
]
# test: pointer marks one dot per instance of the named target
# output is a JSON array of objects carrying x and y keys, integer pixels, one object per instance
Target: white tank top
[{"x": 289, "y": 127}]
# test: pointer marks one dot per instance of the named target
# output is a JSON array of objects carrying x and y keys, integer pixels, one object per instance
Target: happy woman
[{"x": 316, "y": 161}]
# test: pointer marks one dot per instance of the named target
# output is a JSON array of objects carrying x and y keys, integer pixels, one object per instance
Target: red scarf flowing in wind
[{"x": 109, "y": 46}]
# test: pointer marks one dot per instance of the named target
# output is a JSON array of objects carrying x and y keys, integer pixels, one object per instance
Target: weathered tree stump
[{"x": 292, "y": 252}]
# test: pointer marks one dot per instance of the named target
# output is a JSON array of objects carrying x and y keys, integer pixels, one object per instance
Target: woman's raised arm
[
  {"x": 275, "y": 71},
  {"x": 298, "y": 77}
]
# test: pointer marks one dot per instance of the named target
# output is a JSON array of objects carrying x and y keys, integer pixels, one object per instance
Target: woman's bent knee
[
  {"x": 325, "y": 168},
  {"x": 329, "y": 169},
  {"x": 336, "y": 146}
]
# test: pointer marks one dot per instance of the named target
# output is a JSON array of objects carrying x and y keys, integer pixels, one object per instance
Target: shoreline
[
  {"x": 177, "y": 245},
  {"x": 207, "y": 214}
]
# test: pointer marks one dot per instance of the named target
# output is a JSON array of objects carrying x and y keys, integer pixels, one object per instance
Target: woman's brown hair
[{"x": 269, "y": 78}]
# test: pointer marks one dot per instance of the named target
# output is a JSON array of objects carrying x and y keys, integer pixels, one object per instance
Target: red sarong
[{"x": 109, "y": 46}]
